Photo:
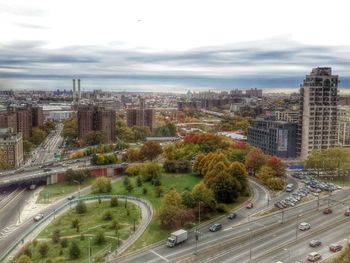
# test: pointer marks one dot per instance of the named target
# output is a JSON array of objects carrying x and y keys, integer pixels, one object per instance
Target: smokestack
[
  {"x": 79, "y": 94},
  {"x": 73, "y": 89}
]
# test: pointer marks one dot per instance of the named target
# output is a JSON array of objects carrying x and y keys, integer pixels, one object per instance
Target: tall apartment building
[
  {"x": 256, "y": 93},
  {"x": 273, "y": 137},
  {"x": 96, "y": 118},
  {"x": 141, "y": 117},
  {"x": 318, "y": 112},
  {"x": 11, "y": 145},
  {"x": 343, "y": 135},
  {"x": 288, "y": 116},
  {"x": 8, "y": 120}
]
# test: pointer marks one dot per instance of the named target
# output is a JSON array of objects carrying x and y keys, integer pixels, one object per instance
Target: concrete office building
[
  {"x": 96, "y": 118},
  {"x": 317, "y": 129},
  {"x": 273, "y": 137},
  {"x": 11, "y": 146},
  {"x": 343, "y": 138}
]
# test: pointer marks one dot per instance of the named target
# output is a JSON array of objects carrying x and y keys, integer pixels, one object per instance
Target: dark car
[
  {"x": 232, "y": 216},
  {"x": 335, "y": 247},
  {"x": 347, "y": 213},
  {"x": 327, "y": 211},
  {"x": 71, "y": 197},
  {"x": 215, "y": 227},
  {"x": 315, "y": 243}
]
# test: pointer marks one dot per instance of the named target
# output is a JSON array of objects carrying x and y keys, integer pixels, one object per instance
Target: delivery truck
[{"x": 177, "y": 237}]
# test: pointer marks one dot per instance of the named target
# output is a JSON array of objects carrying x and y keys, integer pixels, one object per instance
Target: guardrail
[{"x": 62, "y": 207}]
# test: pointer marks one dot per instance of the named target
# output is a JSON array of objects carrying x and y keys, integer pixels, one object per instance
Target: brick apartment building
[
  {"x": 11, "y": 145},
  {"x": 22, "y": 119},
  {"x": 96, "y": 118},
  {"x": 141, "y": 117}
]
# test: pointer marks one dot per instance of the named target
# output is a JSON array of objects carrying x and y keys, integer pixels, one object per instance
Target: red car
[
  {"x": 347, "y": 213},
  {"x": 335, "y": 247},
  {"x": 327, "y": 211},
  {"x": 249, "y": 205}
]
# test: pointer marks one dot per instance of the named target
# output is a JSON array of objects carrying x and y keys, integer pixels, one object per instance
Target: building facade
[
  {"x": 11, "y": 146},
  {"x": 288, "y": 116},
  {"x": 317, "y": 129},
  {"x": 274, "y": 137},
  {"x": 141, "y": 117},
  {"x": 96, "y": 118},
  {"x": 343, "y": 138}
]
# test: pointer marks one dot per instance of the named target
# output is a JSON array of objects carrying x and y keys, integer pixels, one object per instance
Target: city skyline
[{"x": 149, "y": 47}]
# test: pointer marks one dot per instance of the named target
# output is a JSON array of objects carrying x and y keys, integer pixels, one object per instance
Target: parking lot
[{"x": 309, "y": 186}]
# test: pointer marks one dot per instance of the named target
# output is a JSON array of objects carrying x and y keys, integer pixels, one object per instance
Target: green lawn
[
  {"x": 181, "y": 182},
  {"x": 56, "y": 191},
  {"x": 91, "y": 223}
]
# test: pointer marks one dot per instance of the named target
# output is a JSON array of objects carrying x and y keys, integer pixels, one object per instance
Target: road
[
  {"x": 158, "y": 253},
  {"x": 232, "y": 243}
]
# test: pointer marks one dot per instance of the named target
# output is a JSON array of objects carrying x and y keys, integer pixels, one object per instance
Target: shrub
[
  {"x": 43, "y": 249},
  {"x": 115, "y": 225},
  {"x": 114, "y": 201},
  {"x": 100, "y": 238},
  {"x": 24, "y": 259},
  {"x": 107, "y": 215},
  {"x": 221, "y": 208},
  {"x": 81, "y": 207},
  {"x": 64, "y": 243},
  {"x": 101, "y": 185},
  {"x": 144, "y": 191},
  {"x": 75, "y": 222},
  {"x": 138, "y": 181},
  {"x": 74, "y": 251},
  {"x": 56, "y": 236},
  {"x": 129, "y": 188}
]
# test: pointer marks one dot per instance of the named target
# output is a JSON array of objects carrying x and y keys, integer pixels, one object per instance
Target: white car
[
  {"x": 304, "y": 226},
  {"x": 38, "y": 217}
]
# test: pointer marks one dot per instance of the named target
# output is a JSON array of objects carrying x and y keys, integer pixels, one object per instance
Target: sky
[{"x": 162, "y": 45}]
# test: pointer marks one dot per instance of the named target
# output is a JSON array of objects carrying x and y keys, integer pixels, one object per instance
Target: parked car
[
  {"x": 315, "y": 243},
  {"x": 335, "y": 247},
  {"x": 314, "y": 256},
  {"x": 327, "y": 211},
  {"x": 215, "y": 227},
  {"x": 38, "y": 217},
  {"x": 232, "y": 216},
  {"x": 304, "y": 226},
  {"x": 347, "y": 213},
  {"x": 249, "y": 205}
]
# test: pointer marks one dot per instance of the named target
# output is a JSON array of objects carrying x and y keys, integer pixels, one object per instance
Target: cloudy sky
[{"x": 162, "y": 45}]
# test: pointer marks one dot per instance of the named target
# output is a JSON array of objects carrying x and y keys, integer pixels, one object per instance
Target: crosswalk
[{"x": 7, "y": 230}]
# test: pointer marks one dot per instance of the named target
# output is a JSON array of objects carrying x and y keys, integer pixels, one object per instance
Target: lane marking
[{"x": 155, "y": 253}]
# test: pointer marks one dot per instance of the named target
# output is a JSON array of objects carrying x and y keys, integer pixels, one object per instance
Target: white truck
[{"x": 177, "y": 237}]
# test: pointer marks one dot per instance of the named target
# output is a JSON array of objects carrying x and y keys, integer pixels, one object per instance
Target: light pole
[
  {"x": 296, "y": 229},
  {"x": 75, "y": 181},
  {"x": 282, "y": 216},
  {"x": 196, "y": 232},
  {"x": 89, "y": 250}
]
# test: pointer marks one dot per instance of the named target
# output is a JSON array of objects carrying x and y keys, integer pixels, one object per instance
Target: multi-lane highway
[{"x": 238, "y": 241}]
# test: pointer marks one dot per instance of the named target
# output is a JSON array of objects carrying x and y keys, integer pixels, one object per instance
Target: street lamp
[
  {"x": 75, "y": 181},
  {"x": 296, "y": 229},
  {"x": 196, "y": 232},
  {"x": 288, "y": 250},
  {"x": 89, "y": 250},
  {"x": 250, "y": 244}
]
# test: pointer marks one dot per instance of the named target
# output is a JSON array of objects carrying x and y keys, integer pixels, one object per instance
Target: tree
[
  {"x": 138, "y": 181},
  {"x": 196, "y": 166},
  {"x": 101, "y": 184},
  {"x": 81, "y": 207},
  {"x": 129, "y": 188},
  {"x": 224, "y": 186},
  {"x": 237, "y": 170},
  {"x": 202, "y": 194},
  {"x": 172, "y": 198},
  {"x": 255, "y": 159},
  {"x": 75, "y": 223},
  {"x": 107, "y": 216},
  {"x": 133, "y": 170},
  {"x": 188, "y": 200},
  {"x": 28, "y": 146},
  {"x": 38, "y": 136},
  {"x": 24, "y": 259},
  {"x": 169, "y": 152},
  {"x": 74, "y": 251},
  {"x": 158, "y": 190},
  {"x": 3, "y": 163},
  {"x": 214, "y": 171},
  {"x": 275, "y": 183},
  {"x": 277, "y": 165},
  {"x": 132, "y": 155},
  {"x": 265, "y": 173},
  {"x": 43, "y": 249},
  {"x": 150, "y": 150},
  {"x": 73, "y": 176},
  {"x": 114, "y": 201},
  {"x": 100, "y": 238},
  {"x": 64, "y": 243},
  {"x": 95, "y": 137},
  {"x": 151, "y": 171},
  {"x": 56, "y": 236}
]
